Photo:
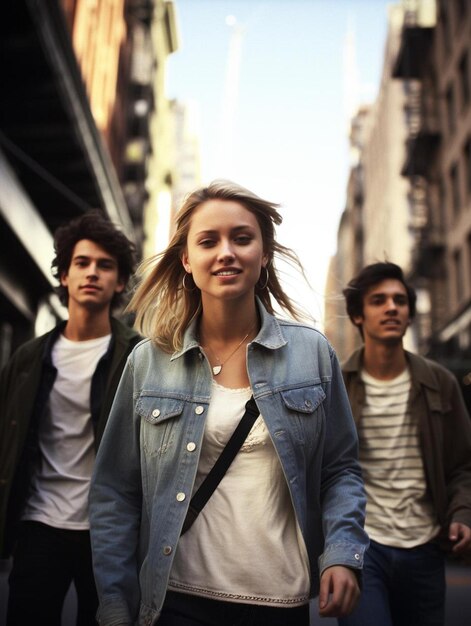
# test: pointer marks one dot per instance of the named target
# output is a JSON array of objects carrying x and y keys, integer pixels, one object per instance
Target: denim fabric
[
  {"x": 401, "y": 587},
  {"x": 145, "y": 469}
]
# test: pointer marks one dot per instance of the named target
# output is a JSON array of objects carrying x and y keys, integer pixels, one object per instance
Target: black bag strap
[{"x": 216, "y": 474}]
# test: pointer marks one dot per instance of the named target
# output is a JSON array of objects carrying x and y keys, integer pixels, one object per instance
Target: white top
[
  {"x": 59, "y": 488},
  {"x": 399, "y": 512},
  {"x": 246, "y": 545}
]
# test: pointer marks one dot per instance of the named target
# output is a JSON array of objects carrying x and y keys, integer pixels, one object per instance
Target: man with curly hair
[{"x": 55, "y": 395}]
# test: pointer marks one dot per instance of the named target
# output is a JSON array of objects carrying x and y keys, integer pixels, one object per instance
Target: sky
[{"x": 274, "y": 84}]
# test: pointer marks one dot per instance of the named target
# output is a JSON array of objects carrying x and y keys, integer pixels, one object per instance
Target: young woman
[{"x": 286, "y": 520}]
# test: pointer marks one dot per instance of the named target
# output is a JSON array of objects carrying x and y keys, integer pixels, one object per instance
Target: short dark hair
[
  {"x": 96, "y": 227},
  {"x": 370, "y": 276}
]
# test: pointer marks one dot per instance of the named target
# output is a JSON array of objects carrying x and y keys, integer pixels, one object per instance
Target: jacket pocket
[
  {"x": 305, "y": 410},
  {"x": 155, "y": 409},
  {"x": 158, "y": 415},
  {"x": 436, "y": 403},
  {"x": 305, "y": 399}
]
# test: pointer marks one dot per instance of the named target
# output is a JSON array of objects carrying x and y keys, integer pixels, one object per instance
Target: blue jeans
[{"x": 401, "y": 587}]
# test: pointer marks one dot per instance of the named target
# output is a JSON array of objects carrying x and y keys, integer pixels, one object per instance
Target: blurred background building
[
  {"x": 375, "y": 223},
  {"x": 84, "y": 123},
  {"x": 409, "y": 193}
]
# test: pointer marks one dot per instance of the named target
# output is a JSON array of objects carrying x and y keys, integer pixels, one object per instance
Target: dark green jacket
[
  {"x": 25, "y": 385},
  {"x": 445, "y": 432}
]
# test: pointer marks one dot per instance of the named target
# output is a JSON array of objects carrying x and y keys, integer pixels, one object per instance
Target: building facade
[
  {"x": 437, "y": 56},
  {"x": 348, "y": 259},
  {"x": 122, "y": 48},
  {"x": 375, "y": 225},
  {"x": 82, "y": 87}
]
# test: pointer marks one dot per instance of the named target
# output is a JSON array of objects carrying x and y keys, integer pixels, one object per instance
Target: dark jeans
[
  {"x": 182, "y": 609},
  {"x": 45, "y": 562},
  {"x": 401, "y": 587}
]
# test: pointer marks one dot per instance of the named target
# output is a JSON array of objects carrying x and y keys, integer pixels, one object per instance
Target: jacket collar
[
  {"x": 354, "y": 361},
  {"x": 51, "y": 338},
  {"x": 270, "y": 335},
  {"x": 120, "y": 333},
  {"x": 420, "y": 371}
]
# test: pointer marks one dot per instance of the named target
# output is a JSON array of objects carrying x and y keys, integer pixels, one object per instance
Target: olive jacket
[
  {"x": 25, "y": 384},
  {"x": 445, "y": 432}
]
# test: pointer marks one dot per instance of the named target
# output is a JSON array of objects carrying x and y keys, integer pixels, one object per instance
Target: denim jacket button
[
  {"x": 191, "y": 446},
  {"x": 199, "y": 409},
  {"x": 357, "y": 557},
  {"x": 180, "y": 496},
  {"x": 155, "y": 413},
  {"x": 167, "y": 550}
]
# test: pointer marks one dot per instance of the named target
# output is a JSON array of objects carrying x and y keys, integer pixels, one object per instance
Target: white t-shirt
[
  {"x": 59, "y": 487},
  {"x": 246, "y": 545}
]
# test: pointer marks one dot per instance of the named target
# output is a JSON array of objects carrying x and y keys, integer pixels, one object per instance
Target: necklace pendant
[{"x": 217, "y": 369}]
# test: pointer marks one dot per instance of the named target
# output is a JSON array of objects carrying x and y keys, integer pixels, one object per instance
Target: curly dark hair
[
  {"x": 368, "y": 277},
  {"x": 96, "y": 227}
]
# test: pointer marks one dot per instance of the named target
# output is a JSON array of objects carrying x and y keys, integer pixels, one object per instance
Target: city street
[{"x": 353, "y": 119}]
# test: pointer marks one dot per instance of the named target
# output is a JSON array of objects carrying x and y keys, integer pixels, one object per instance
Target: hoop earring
[
  {"x": 265, "y": 282},
  {"x": 185, "y": 287}
]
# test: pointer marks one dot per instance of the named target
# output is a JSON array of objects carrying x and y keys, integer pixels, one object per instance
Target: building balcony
[
  {"x": 135, "y": 159},
  {"x": 413, "y": 52},
  {"x": 142, "y": 10},
  {"x": 421, "y": 150},
  {"x": 430, "y": 255}
]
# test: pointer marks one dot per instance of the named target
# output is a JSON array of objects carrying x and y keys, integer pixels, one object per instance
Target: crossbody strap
[{"x": 222, "y": 464}]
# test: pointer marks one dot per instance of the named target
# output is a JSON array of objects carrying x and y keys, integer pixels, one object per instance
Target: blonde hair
[{"x": 164, "y": 307}]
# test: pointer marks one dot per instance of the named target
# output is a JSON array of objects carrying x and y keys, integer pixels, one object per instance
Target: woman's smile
[{"x": 224, "y": 243}]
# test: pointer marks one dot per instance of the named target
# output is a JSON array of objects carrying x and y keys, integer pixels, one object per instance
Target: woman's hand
[{"x": 339, "y": 591}]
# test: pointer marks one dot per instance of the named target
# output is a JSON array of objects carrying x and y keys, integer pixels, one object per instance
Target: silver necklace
[{"x": 217, "y": 368}]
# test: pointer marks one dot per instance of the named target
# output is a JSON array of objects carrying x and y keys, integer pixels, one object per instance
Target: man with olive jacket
[
  {"x": 415, "y": 453},
  {"x": 55, "y": 396}
]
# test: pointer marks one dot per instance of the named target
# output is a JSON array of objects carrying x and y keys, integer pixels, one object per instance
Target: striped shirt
[{"x": 399, "y": 512}]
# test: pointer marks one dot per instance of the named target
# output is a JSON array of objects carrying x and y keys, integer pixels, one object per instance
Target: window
[
  {"x": 463, "y": 70},
  {"x": 458, "y": 272},
  {"x": 450, "y": 109},
  {"x": 462, "y": 8},
  {"x": 441, "y": 206},
  {"x": 467, "y": 162},
  {"x": 455, "y": 188},
  {"x": 445, "y": 22},
  {"x": 468, "y": 244}
]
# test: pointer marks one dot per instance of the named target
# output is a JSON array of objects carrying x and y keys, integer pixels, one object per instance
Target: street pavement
[{"x": 458, "y": 606}]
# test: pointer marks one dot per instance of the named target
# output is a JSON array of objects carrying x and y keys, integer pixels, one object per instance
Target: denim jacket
[{"x": 147, "y": 462}]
